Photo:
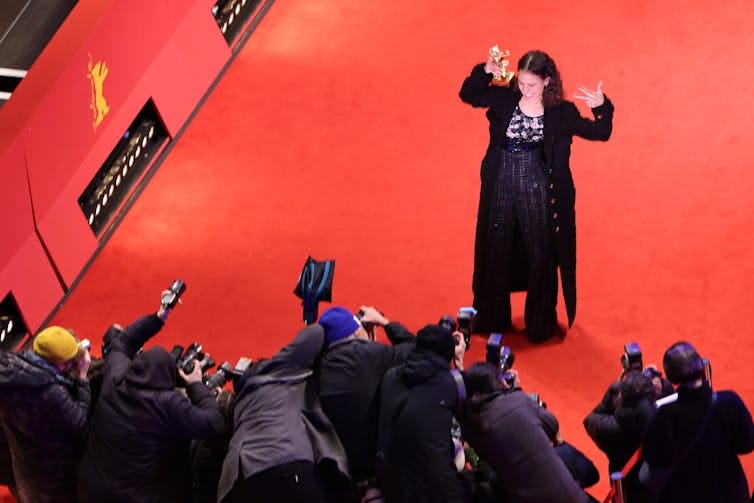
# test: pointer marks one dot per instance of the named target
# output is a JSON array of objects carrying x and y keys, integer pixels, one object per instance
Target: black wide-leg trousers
[{"x": 518, "y": 210}]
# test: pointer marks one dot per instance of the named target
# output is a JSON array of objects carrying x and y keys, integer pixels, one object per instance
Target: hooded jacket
[
  {"x": 137, "y": 447},
  {"x": 418, "y": 402},
  {"x": 43, "y": 415}
]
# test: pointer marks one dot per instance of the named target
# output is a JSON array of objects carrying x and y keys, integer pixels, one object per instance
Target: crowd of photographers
[{"x": 336, "y": 416}]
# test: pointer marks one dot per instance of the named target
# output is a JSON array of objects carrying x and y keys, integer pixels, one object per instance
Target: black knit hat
[{"x": 437, "y": 339}]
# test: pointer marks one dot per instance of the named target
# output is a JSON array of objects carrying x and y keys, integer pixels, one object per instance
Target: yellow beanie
[{"x": 56, "y": 345}]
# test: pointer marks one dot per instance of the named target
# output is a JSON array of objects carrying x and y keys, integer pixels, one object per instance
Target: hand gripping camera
[
  {"x": 462, "y": 323},
  {"x": 225, "y": 373},
  {"x": 184, "y": 359},
  {"x": 172, "y": 296}
]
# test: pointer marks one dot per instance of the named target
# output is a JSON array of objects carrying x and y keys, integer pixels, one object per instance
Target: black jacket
[
  {"x": 618, "y": 430},
  {"x": 137, "y": 446},
  {"x": 43, "y": 415},
  {"x": 349, "y": 378},
  {"x": 711, "y": 471},
  {"x": 562, "y": 123},
  {"x": 418, "y": 402}
]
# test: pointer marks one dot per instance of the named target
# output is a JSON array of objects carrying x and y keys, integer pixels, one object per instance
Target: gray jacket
[{"x": 278, "y": 418}]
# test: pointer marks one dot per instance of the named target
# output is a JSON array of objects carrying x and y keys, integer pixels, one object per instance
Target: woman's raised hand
[{"x": 593, "y": 98}]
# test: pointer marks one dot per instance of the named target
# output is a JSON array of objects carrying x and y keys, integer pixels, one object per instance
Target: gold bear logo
[{"x": 97, "y": 73}]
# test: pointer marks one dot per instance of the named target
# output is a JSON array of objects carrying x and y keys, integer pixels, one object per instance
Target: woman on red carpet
[{"x": 526, "y": 224}]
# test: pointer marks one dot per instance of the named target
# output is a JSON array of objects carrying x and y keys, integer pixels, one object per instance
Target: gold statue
[{"x": 501, "y": 60}]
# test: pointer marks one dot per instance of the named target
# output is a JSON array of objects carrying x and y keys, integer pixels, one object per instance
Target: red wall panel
[
  {"x": 166, "y": 50},
  {"x": 170, "y": 51},
  {"x": 25, "y": 270}
]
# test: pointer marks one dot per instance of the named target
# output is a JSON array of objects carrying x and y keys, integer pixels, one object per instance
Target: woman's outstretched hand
[{"x": 593, "y": 99}]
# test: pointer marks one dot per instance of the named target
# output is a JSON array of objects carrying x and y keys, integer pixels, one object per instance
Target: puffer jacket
[{"x": 43, "y": 415}]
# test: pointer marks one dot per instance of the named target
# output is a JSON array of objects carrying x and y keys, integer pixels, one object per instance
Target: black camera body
[
  {"x": 170, "y": 299},
  {"x": 463, "y": 323},
  {"x": 225, "y": 373},
  {"x": 368, "y": 326},
  {"x": 184, "y": 360},
  {"x": 632, "y": 358},
  {"x": 501, "y": 356}
]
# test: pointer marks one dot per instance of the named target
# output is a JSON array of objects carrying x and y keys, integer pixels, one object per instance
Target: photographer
[
  {"x": 692, "y": 445},
  {"x": 617, "y": 425},
  {"x": 419, "y": 398},
  {"x": 137, "y": 445},
  {"x": 44, "y": 400},
  {"x": 283, "y": 447},
  {"x": 349, "y": 377},
  {"x": 514, "y": 435}
]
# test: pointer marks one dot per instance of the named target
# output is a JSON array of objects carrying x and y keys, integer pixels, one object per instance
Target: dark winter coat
[
  {"x": 512, "y": 434},
  {"x": 6, "y": 464},
  {"x": 349, "y": 378},
  {"x": 418, "y": 402},
  {"x": 278, "y": 417},
  {"x": 711, "y": 471},
  {"x": 561, "y": 123},
  {"x": 43, "y": 415},
  {"x": 137, "y": 446},
  {"x": 618, "y": 431}
]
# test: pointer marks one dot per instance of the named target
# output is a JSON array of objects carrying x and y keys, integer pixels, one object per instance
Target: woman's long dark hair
[
  {"x": 542, "y": 65},
  {"x": 480, "y": 380}
]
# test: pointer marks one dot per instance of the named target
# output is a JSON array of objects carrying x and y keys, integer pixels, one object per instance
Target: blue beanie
[{"x": 338, "y": 323}]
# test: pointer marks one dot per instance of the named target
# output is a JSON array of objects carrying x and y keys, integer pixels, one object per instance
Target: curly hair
[{"x": 542, "y": 65}]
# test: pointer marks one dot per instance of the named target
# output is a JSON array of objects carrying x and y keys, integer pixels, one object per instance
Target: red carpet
[{"x": 338, "y": 132}]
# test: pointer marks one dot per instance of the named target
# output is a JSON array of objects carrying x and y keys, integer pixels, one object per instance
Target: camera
[
  {"x": 368, "y": 326},
  {"x": 184, "y": 360},
  {"x": 501, "y": 356},
  {"x": 170, "y": 298},
  {"x": 631, "y": 358},
  {"x": 225, "y": 373},
  {"x": 85, "y": 344},
  {"x": 462, "y": 323}
]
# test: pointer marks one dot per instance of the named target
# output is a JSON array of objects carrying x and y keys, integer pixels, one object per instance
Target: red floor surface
[{"x": 338, "y": 132}]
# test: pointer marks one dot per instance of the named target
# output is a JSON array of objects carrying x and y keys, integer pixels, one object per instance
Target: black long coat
[{"x": 562, "y": 123}]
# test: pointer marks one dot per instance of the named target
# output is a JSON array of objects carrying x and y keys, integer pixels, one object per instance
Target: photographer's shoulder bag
[{"x": 655, "y": 479}]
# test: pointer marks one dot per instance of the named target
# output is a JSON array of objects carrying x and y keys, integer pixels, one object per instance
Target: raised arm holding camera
[
  {"x": 44, "y": 401},
  {"x": 137, "y": 446},
  {"x": 349, "y": 376}
]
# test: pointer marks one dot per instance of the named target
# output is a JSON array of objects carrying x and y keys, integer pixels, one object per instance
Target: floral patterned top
[{"x": 525, "y": 129}]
